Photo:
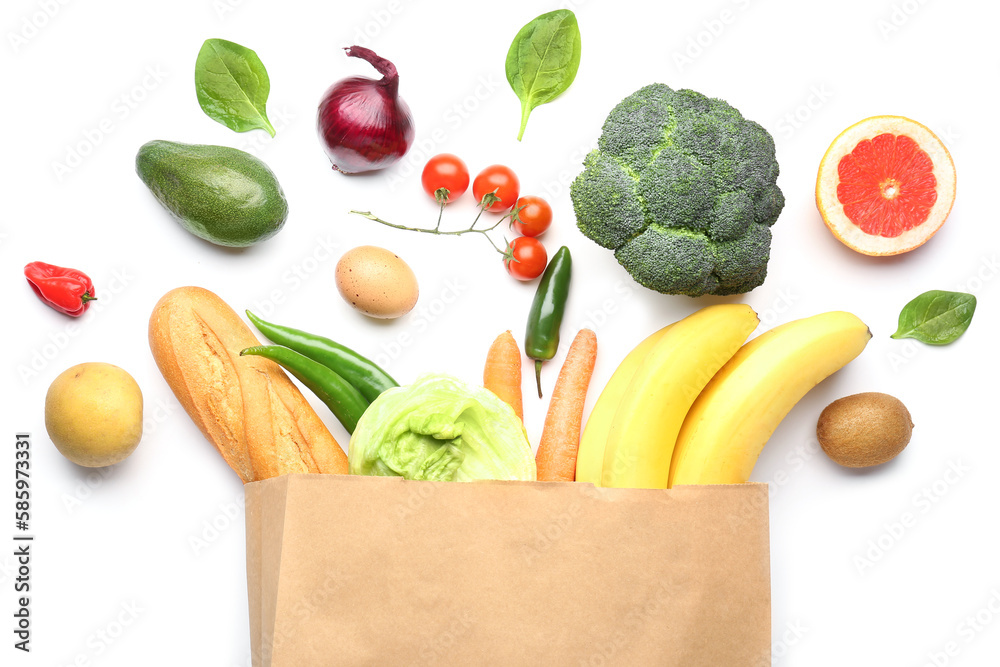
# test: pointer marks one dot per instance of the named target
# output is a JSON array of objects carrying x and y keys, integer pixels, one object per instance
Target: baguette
[{"x": 246, "y": 406}]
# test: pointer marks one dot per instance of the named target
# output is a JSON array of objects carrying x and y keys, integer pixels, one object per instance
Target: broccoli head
[{"x": 682, "y": 188}]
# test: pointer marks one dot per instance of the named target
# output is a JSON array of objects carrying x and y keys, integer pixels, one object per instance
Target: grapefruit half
[{"x": 885, "y": 185}]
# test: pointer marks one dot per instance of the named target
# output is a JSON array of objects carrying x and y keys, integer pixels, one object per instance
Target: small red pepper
[{"x": 67, "y": 290}]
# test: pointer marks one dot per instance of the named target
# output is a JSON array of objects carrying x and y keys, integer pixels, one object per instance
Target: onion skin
[{"x": 363, "y": 123}]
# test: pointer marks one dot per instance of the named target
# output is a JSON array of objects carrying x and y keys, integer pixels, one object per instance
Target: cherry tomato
[
  {"x": 533, "y": 216},
  {"x": 501, "y": 181},
  {"x": 448, "y": 172},
  {"x": 529, "y": 258}
]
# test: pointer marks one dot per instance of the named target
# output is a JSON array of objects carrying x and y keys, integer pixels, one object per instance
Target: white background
[{"x": 126, "y": 539}]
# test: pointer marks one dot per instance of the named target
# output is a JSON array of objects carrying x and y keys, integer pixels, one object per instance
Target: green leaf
[
  {"x": 936, "y": 317},
  {"x": 232, "y": 86},
  {"x": 543, "y": 60}
]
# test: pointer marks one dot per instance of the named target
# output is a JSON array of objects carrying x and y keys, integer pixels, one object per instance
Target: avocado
[{"x": 221, "y": 194}]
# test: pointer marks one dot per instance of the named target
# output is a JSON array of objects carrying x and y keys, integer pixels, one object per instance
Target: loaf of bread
[{"x": 246, "y": 406}]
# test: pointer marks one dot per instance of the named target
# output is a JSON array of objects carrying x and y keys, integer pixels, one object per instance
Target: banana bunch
[{"x": 693, "y": 404}]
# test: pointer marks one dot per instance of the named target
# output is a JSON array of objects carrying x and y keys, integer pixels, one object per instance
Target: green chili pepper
[
  {"x": 361, "y": 372},
  {"x": 541, "y": 339},
  {"x": 345, "y": 402}
]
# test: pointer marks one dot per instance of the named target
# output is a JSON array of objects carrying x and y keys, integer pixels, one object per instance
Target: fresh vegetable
[
  {"x": 363, "y": 123},
  {"x": 377, "y": 282},
  {"x": 499, "y": 181},
  {"x": 543, "y": 60},
  {"x": 885, "y": 185},
  {"x": 541, "y": 338},
  {"x": 437, "y": 231},
  {"x": 645, "y": 427},
  {"x": 445, "y": 178},
  {"x": 250, "y": 411},
  {"x": 217, "y": 193},
  {"x": 682, "y": 188},
  {"x": 440, "y": 428},
  {"x": 232, "y": 86},
  {"x": 93, "y": 414},
  {"x": 557, "y": 449},
  {"x": 527, "y": 258},
  {"x": 590, "y": 456},
  {"x": 67, "y": 290},
  {"x": 936, "y": 317},
  {"x": 736, "y": 413},
  {"x": 345, "y": 402},
  {"x": 362, "y": 373},
  {"x": 864, "y": 430},
  {"x": 532, "y": 216},
  {"x": 502, "y": 374}
]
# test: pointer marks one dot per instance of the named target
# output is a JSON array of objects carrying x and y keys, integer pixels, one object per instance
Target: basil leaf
[
  {"x": 936, "y": 317},
  {"x": 232, "y": 86},
  {"x": 543, "y": 60}
]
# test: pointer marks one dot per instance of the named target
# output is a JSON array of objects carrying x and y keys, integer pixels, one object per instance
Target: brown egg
[{"x": 377, "y": 282}]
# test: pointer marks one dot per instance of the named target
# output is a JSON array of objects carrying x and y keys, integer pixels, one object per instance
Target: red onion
[{"x": 363, "y": 122}]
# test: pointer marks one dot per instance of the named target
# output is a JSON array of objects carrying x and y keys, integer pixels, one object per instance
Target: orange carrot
[
  {"x": 502, "y": 374},
  {"x": 556, "y": 457}
]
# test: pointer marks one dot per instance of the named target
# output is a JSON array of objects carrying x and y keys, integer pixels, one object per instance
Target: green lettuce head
[{"x": 440, "y": 428}]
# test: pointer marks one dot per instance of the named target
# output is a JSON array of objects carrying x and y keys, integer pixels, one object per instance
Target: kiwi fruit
[{"x": 864, "y": 430}]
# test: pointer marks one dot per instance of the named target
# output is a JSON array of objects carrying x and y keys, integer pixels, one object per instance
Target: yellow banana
[
  {"x": 738, "y": 411},
  {"x": 590, "y": 455},
  {"x": 642, "y": 434}
]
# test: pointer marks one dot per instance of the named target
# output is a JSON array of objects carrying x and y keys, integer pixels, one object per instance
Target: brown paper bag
[{"x": 381, "y": 571}]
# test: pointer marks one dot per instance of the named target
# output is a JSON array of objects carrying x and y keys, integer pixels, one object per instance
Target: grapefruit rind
[{"x": 829, "y": 178}]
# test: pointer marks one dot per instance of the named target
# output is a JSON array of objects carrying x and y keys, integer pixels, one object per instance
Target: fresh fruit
[
  {"x": 377, "y": 282},
  {"x": 445, "y": 178},
  {"x": 527, "y": 258},
  {"x": 864, "y": 429},
  {"x": 532, "y": 216},
  {"x": 726, "y": 428},
  {"x": 501, "y": 182},
  {"x": 220, "y": 194},
  {"x": 885, "y": 185},
  {"x": 590, "y": 456},
  {"x": 649, "y": 416},
  {"x": 93, "y": 413}
]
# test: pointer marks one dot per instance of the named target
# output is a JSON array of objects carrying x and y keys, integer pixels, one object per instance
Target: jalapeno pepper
[
  {"x": 361, "y": 372},
  {"x": 541, "y": 340},
  {"x": 67, "y": 290},
  {"x": 345, "y": 402}
]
